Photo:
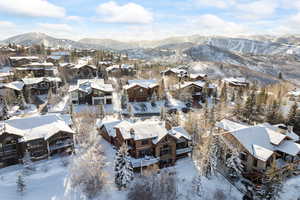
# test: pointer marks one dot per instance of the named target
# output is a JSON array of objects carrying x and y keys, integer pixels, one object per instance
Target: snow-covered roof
[
  {"x": 24, "y": 57},
  {"x": 288, "y": 133},
  {"x": 260, "y": 141},
  {"x": 236, "y": 81},
  {"x": 196, "y": 75},
  {"x": 111, "y": 68},
  {"x": 196, "y": 83},
  {"x": 175, "y": 70},
  {"x": 15, "y": 85},
  {"x": 295, "y": 93},
  {"x": 141, "y": 83},
  {"x": 109, "y": 126},
  {"x": 54, "y": 57},
  {"x": 179, "y": 132},
  {"x": 60, "y": 53},
  {"x": 86, "y": 85},
  {"x": 30, "y": 81},
  {"x": 78, "y": 66},
  {"x": 229, "y": 125},
  {"x": 39, "y": 64},
  {"x": 42, "y": 126}
]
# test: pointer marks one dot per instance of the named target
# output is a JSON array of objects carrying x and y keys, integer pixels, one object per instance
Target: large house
[
  {"x": 119, "y": 70},
  {"x": 18, "y": 61},
  {"x": 41, "y": 136},
  {"x": 91, "y": 91},
  {"x": 34, "y": 69},
  {"x": 261, "y": 145},
  {"x": 149, "y": 142},
  {"x": 237, "y": 82},
  {"x": 141, "y": 90},
  {"x": 41, "y": 85},
  {"x": 85, "y": 71}
]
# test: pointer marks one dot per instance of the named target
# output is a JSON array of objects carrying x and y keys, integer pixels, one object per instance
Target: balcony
[
  {"x": 143, "y": 162},
  {"x": 60, "y": 145},
  {"x": 183, "y": 150}
]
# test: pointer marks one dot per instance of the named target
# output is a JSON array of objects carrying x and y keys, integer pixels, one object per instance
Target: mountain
[{"x": 35, "y": 38}]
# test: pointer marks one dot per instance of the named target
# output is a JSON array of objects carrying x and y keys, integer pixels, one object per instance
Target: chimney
[
  {"x": 132, "y": 132},
  {"x": 290, "y": 128}
]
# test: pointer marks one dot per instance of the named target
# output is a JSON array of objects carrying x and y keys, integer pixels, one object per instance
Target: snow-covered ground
[
  {"x": 291, "y": 189},
  {"x": 49, "y": 181}
]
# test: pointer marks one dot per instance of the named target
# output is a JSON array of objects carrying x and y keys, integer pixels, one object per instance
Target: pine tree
[
  {"x": 249, "y": 107},
  {"x": 274, "y": 115},
  {"x": 280, "y": 75},
  {"x": 223, "y": 96},
  {"x": 21, "y": 186},
  {"x": 124, "y": 99},
  {"x": 3, "y": 109},
  {"x": 163, "y": 113},
  {"x": 291, "y": 120},
  {"x": 153, "y": 99},
  {"x": 27, "y": 163},
  {"x": 234, "y": 164},
  {"x": 197, "y": 186},
  {"x": 101, "y": 111},
  {"x": 123, "y": 168}
]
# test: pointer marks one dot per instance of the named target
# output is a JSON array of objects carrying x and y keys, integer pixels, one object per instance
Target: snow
[
  {"x": 15, "y": 85},
  {"x": 145, "y": 108},
  {"x": 291, "y": 189},
  {"x": 60, "y": 106},
  {"x": 141, "y": 83},
  {"x": 229, "y": 125},
  {"x": 43, "y": 126},
  {"x": 85, "y": 85},
  {"x": 31, "y": 81}
]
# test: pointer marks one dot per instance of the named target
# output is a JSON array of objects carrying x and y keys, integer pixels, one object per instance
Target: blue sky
[{"x": 148, "y": 19}]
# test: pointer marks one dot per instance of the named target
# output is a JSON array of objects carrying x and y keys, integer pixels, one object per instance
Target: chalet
[
  {"x": 150, "y": 142},
  {"x": 141, "y": 90},
  {"x": 85, "y": 71},
  {"x": 18, "y": 61},
  {"x": 237, "y": 82},
  {"x": 42, "y": 136},
  {"x": 123, "y": 69},
  {"x": 12, "y": 89},
  {"x": 260, "y": 145},
  {"x": 55, "y": 60},
  {"x": 41, "y": 85},
  {"x": 294, "y": 95},
  {"x": 35, "y": 69},
  {"x": 175, "y": 72},
  {"x": 91, "y": 91},
  {"x": 6, "y": 76},
  {"x": 196, "y": 89},
  {"x": 198, "y": 77}
]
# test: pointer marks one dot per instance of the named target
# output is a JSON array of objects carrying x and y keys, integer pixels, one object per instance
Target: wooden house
[
  {"x": 85, "y": 71},
  {"x": 91, "y": 91},
  {"x": 18, "y": 61},
  {"x": 149, "y": 141},
  {"x": 41, "y": 136},
  {"x": 41, "y": 85},
  {"x": 237, "y": 82},
  {"x": 141, "y": 90},
  {"x": 35, "y": 69}
]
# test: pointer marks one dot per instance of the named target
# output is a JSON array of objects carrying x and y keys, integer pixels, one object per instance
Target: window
[
  {"x": 145, "y": 152},
  {"x": 243, "y": 156},
  {"x": 144, "y": 142},
  {"x": 255, "y": 162},
  {"x": 166, "y": 149}
]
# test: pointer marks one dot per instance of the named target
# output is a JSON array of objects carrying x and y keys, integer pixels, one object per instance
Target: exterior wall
[
  {"x": 9, "y": 153},
  {"x": 60, "y": 142},
  {"x": 140, "y": 94},
  {"x": 171, "y": 157},
  {"x": 86, "y": 72}
]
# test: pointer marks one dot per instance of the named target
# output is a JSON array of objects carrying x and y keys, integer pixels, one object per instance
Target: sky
[{"x": 128, "y": 20}]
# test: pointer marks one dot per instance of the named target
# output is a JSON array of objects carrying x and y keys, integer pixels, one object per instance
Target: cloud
[
  {"x": 55, "y": 27},
  {"x": 32, "y": 8},
  {"x": 222, "y": 4},
  {"x": 209, "y": 24},
  {"x": 257, "y": 9},
  {"x": 74, "y": 18},
  {"x": 6, "y": 24},
  {"x": 130, "y": 13}
]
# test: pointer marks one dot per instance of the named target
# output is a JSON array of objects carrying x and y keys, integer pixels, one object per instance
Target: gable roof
[
  {"x": 86, "y": 85},
  {"x": 42, "y": 126},
  {"x": 78, "y": 66},
  {"x": 141, "y": 83},
  {"x": 15, "y": 85},
  {"x": 229, "y": 125},
  {"x": 30, "y": 81}
]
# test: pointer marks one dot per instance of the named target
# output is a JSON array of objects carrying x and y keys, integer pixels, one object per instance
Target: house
[
  {"x": 63, "y": 56},
  {"x": 294, "y": 95},
  {"x": 12, "y": 89},
  {"x": 91, "y": 91},
  {"x": 119, "y": 70},
  {"x": 195, "y": 89},
  {"x": 85, "y": 71},
  {"x": 18, "y": 61},
  {"x": 41, "y": 85},
  {"x": 149, "y": 141},
  {"x": 42, "y": 136},
  {"x": 55, "y": 60},
  {"x": 6, "y": 75},
  {"x": 260, "y": 145},
  {"x": 35, "y": 69},
  {"x": 175, "y": 72},
  {"x": 141, "y": 90},
  {"x": 198, "y": 77},
  {"x": 237, "y": 82}
]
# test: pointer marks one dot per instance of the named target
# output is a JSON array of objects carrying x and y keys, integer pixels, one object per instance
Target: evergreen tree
[
  {"x": 163, "y": 113},
  {"x": 249, "y": 107},
  {"x": 27, "y": 163},
  {"x": 153, "y": 99},
  {"x": 234, "y": 164},
  {"x": 291, "y": 120},
  {"x": 101, "y": 111},
  {"x": 21, "y": 186},
  {"x": 123, "y": 168},
  {"x": 274, "y": 115},
  {"x": 3, "y": 109},
  {"x": 280, "y": 75},
  {"x": 124, "y": 99},
  {"x": 223, "y": 96},
  {"x": 233, "y": 96}
]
